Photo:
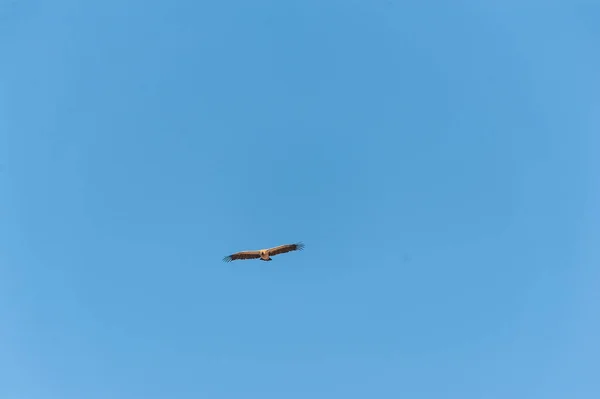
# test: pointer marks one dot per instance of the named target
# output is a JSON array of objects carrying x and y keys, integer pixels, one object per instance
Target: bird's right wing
[{"x": 242, "y": 255}]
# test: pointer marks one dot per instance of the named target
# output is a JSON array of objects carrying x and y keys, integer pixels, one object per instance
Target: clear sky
[{"x": 438, "y": 159}]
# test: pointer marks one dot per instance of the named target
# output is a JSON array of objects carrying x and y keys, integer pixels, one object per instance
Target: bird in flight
[{"x": 264, "y": 254}]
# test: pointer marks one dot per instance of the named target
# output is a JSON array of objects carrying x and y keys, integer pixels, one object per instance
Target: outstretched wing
[
  {"x": 242, "y": 255},
  {"x": 286, "y": 248}
]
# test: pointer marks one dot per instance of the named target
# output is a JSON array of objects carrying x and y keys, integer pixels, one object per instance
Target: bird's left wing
[{"x": 286, "y": 248}]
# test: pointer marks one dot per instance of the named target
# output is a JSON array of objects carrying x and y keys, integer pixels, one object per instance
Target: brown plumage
[{"x": 264, "y": 254}]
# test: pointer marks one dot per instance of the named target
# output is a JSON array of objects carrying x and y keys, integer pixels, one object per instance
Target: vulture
[{"x": 264, "y": 254}]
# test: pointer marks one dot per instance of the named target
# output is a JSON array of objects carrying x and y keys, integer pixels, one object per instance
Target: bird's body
[{"x": 264, "y": 254}]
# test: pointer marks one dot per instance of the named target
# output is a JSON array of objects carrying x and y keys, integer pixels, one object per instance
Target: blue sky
[{"x": 438, "y": 159}]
